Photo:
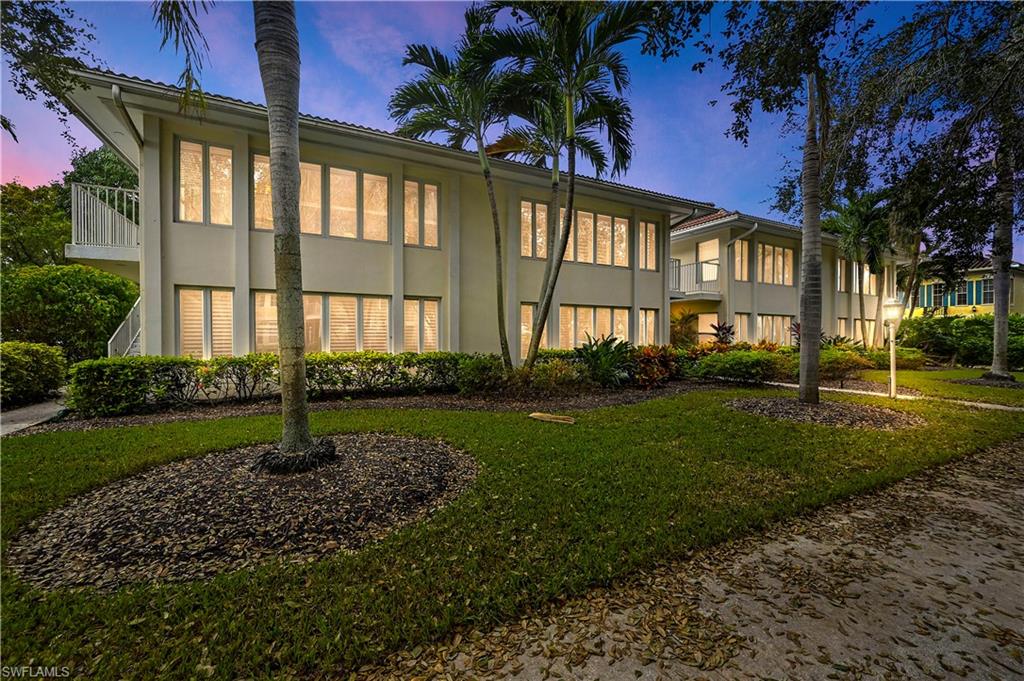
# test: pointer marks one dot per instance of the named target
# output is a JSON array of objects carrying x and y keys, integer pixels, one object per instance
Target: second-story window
[
  {"x": 204, "y": 183},
  {"x": 533, "y": 229},
  {"x": 422, "y": 214},
  {"x": 648, "y": 251},
  {"x": 841, "y": 275},
  {"x": 742, "y": 265},
  {"x": 774, "y": 265},
  {"x": 349, "y": 212}
]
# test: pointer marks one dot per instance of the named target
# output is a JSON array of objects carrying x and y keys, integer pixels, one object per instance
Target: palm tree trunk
[
  {"x": 810, "y": 294},
  {"x": 544, "y": 305},
  {"x": 1002, "y": 251},
  {"x": 552, "y": 243},
  {"x": 277, "y": 47},
  {"x": 485, "y": 166}
]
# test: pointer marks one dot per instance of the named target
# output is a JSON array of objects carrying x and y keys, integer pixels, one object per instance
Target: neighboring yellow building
[{"x": 973, "y": 295}]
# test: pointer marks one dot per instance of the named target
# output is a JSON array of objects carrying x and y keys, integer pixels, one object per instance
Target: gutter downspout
[
  {"x": 730, "y": 264},
  {"x": 122, "y": 111}
]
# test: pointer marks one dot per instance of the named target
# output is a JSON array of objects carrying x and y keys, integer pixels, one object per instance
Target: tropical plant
[
  {"x": 606, "y": 360},
  {"x": 724, "y": 333},
  {"x": 462, "y": 100},
  {"x": 569, "y": 54},
  {"x": 863, "y": 230},
  {"x": 683, "y": 331}
]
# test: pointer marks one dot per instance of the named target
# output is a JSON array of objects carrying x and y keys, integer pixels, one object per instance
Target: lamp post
[{"x": 891, "y": 309}]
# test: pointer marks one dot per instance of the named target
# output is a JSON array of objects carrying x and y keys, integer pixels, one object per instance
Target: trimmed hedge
[
  {"x": 127, "y": 385},
  {"x": 906, "y": 358},
  {"x": 753, "y": 366},
  {"x": 30, "y": 372}
]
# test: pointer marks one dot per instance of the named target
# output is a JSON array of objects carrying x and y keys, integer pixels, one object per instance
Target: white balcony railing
[
  {"x": 697, "y": 277},
  {"x": 104, "y": 216}
]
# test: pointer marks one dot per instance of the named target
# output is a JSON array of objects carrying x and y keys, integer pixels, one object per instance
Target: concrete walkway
[
  {"x": 13, "y": 420},
  {"x": 919, "y": 581},
  {"x": 966, "y": 403}
]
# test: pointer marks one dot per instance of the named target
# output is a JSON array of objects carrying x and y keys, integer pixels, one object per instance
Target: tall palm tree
[
  {"x": 277, "y": 49},
  {"x": 571, "y": 51},
  {"x": 462, "y": 100},
  {"x": 863, "y": 231}
]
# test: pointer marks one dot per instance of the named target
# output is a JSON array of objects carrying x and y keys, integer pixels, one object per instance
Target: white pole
[{"x": 892, "y": 359}]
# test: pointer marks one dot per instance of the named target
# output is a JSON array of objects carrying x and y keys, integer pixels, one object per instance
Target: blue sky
[{"x": 351, "y": 63}]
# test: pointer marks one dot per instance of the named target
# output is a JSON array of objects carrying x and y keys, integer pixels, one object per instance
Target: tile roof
[
  {"x": 710, "y": 217},
  {"x": 173, "y": 89}
]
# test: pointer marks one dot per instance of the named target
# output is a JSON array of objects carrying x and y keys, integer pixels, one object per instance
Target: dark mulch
[
  {"x": 828, "y": 413},
  {"x": 870, "y": 386},
  {"x": 988, "y": 382},
  {"x": 199, "y": 517},
  {"x": 577, "y": 402}
]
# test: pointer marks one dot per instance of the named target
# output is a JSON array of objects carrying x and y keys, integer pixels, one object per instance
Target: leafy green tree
[
  {"x": 97, "y": 166},
  {"x": 571, "y": 53},
  {"x": 73, "y": 307},
  {"x": 33, "y": 228},
  {"x": 784, "y": 58},
  {"x": 461, "y": 100},
  {"x": 43, "y": 43},
  {"x": 863, "y": 230}
]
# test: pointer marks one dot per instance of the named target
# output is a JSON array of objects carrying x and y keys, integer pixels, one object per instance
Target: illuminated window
[
  {"x": 526, "y": 312},
  {"x": 577, "y": 322},
  {"x": 648, "y": 250},
  {"x": 775, "y": 328},
  {"x": 961, "y": 293},
  {"x": 741, "y": 327},
  {"x": 648, "y": 327},
  {"x": 774, "y": 265},
  {"x": 421, "y": 325},
  {"x": 421, "y": 215},
  {"x": 343, "y": 190},
  {"x": 584, "y": 237},
  {"x": 841, "y": 277},
  {"x": 375, "y": 207},
  {"x": 204, "y": 183},
  {"x": 204, "y": 322},
  {"x": 742, "y": 257},
  {"x": 706, "y": 320},
  {"x": 621, "y": 245},
  {"x": 988, "y": 296},
  {"x": 340, "y": 323},
  {"x": 310, "y": 213}
]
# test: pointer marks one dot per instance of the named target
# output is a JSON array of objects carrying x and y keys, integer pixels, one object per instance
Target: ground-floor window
[
  {"x": 705, "y": 322},
  {"x": 774, "y": 328},
  {"x": 842, "y": 327},
  {"x": 741, "y": 327},
  {"x": 204, "y": 322},
  {"x": 857, "y": 328},
  {"x": 526, "y": 314},
  {"x": 421, "y": 324},
  {"x": 648, "y": 327},
  {"x": 340, "y": 323},
  {"x": 988, "y": 291},
  {"x": 578, "y": 322}
]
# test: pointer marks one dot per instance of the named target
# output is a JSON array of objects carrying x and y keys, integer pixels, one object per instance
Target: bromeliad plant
[{"x": 607, "y": 360}]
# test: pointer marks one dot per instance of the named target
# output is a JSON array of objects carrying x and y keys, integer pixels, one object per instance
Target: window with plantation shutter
[
  {"x": 602, "y": 322},
  {"x": 621, "y": 242},
  {"x": 584, "y": 237},
  {"x": 376, "y": 331},
  {"x": 603, "y": 243},
  {"x": 310, "y": 214},
  {"x": 526, "y": 312},
  {"x": 190, "y": 181},
  {"x": 431, "y": 216},
  {"x": 648, "y": 246},
  {"x": 576, "y": 322},
  {"x": 620, "y": 323},
  {"x": 205, "y": 322},
  {"x": 265, "y": 322},
  {"x": 190, "y": 322},
  {"x": 412, "y": 212},
  {"x": 342, "y": 324},
  {"x": 375, "y": 207},
  {"x": 262, "y": 210},
  {"x": 421, "y": 325},
  {"x": 313, "y": 315},
  {"x": 220, "y": 185},
  {"x": 343, "y": 191},
  {"x": 648, "y": 327},
  {"x": 412, "y": 325}
]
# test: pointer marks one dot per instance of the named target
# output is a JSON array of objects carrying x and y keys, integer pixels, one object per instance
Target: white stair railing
[
  {"x": 104, "y": 216},
  {"x": 123, "y": 340}
]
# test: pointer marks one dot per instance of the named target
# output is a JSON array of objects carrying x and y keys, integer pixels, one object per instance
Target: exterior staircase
[{"x": 127, "y": 340}]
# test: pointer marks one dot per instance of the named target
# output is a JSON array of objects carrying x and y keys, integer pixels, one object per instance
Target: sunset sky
[{"x": 352, "y": 62}]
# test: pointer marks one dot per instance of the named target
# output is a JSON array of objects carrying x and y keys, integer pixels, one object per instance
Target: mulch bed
[
  {"x": 199, "y": 517},
  {"x": 828, "y": 413},
  {"x": 575, "y": 402},
  {"x": 988, "y": 382},
  {"x": 871, "y": 386}
]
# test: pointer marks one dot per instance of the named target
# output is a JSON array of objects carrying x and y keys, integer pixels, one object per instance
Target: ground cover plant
[
  {"x": 944, "y": 383},
  {"x": 555, "y": 509}
]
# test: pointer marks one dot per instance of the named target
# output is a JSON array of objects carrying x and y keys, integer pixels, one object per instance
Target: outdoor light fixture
[{"x": 891, "y": 309}]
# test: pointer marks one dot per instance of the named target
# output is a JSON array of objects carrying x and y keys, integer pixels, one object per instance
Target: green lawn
[
  {"x": 556, "y": 509},
  {"x": 937, "y": 384}
]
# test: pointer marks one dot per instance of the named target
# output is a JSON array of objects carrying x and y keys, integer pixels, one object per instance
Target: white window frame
[
  {"x": 207, "y": 292},
  {"x": 988, "y": 291},
  {"x": 643, "y": 226},
  {"x": 420, "y": 321},
  {"x": 961, "y": 292},
  {"x": 422, "y": 207},
  {"x": 762, "y": 250},
  {"x": 207, "y": 211}
]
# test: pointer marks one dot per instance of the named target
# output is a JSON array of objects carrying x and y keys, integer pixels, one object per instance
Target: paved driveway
[{"x": 922, "y": 580}]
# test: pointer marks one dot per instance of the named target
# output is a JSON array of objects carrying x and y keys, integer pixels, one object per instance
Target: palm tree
[
  {"x": 570, "y": 51},
  {"x": 462, "y": 100},
  {"x": 863, "y": 231},
  {"x": 277, "y": 48}
]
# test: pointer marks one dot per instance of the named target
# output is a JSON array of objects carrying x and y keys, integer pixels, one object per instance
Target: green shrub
[
  {"x": 72, "y": 307},
  {"x": 964, "y": 340},
  {"x": 906, "y": 358},
  {"x": 29, "y": 372},
  {"x": 754, "y": 366},
  {"x": 558, "y": 377},
  {"x": 653, "y": 365},
  {"x": 481, "y": 374},
  {"x": 606, "y": 360},
  {"x": 836, "y": 364},
  {"x": 127, "y": 385},
  {"x": 1015, "y": 352},
  {"x": 243, "y": 378},
  {"x": 548, "y": 354}
]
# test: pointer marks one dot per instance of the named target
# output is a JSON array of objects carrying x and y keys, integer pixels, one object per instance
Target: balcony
[
  {"x": 694, "y": 281},
  {"x": 105, "y": 228}
]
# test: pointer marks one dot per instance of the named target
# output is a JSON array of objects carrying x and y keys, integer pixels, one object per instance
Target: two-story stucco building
[
  {"x": 397, "y": 247},
  {"x": 733, "y": 268}
]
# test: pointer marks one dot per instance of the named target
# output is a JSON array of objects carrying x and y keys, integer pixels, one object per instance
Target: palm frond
[{"x": 178, "y": 22}]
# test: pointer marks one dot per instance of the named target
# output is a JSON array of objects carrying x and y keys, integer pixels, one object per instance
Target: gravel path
[{"x": 922, "y": 580}]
